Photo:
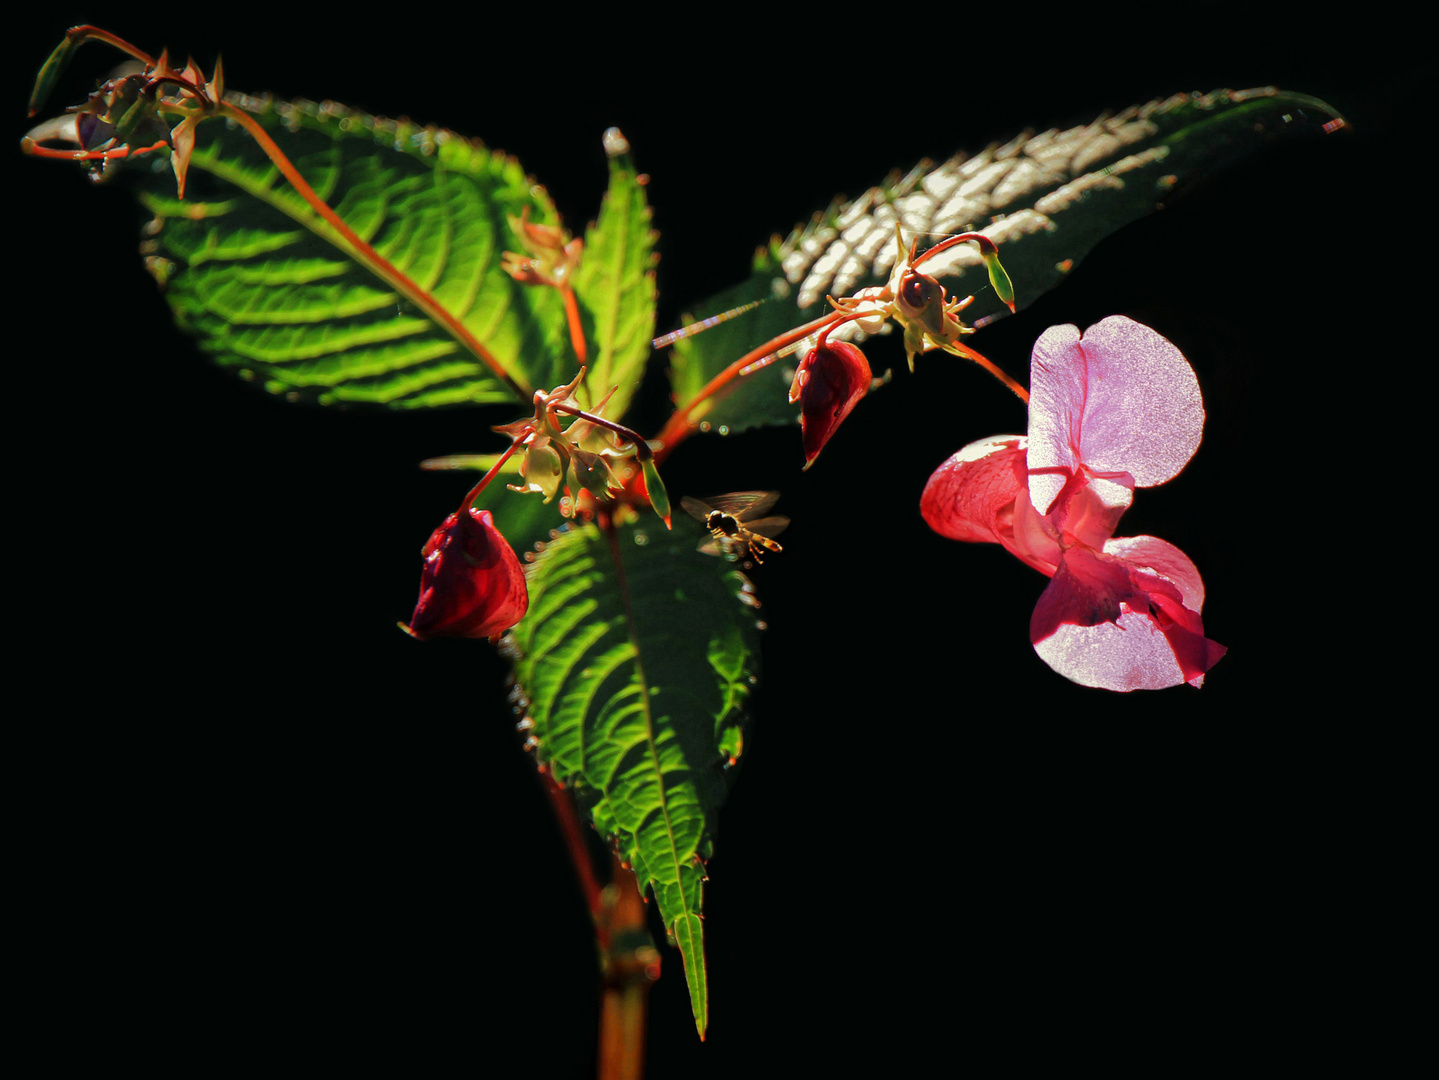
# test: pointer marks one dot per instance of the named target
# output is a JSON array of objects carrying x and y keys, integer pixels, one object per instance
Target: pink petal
[
  {"x": 979, "y": 495},
  {"x": 1089, "y": 509},
  {"x": 1164, "y": 559},
  {"x": 1122, "y": 402},
  {"x": 1129, "y": 655},
  {"x": 1117, "y": 620},
  {"x": 971, "y": 496}
]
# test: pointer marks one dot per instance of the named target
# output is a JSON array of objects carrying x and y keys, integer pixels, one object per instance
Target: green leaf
[
  {"x": 636, "y": 678},
  {"x": 615, "y": 285},
  {"x": 1045, "y": 200},
  {"x": 758, "y": 399},
  {"x": 271, "y": 291}
]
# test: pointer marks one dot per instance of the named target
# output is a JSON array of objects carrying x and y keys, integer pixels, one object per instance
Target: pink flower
[
  {"x": 1118, "y": 409},
  {"x": 472, "y": 584},
  {"x": 830, "y": 382}
]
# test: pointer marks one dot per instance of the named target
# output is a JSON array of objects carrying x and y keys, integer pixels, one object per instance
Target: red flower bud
[
  {"x": 832, "y": 379},
  {"x": 472, "y": 584}
]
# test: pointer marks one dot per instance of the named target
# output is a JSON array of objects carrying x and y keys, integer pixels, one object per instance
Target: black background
[{"x": 258, "y": 823}]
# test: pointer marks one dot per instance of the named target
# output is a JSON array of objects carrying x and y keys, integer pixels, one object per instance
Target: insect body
[{"x": 734, "y": 523}]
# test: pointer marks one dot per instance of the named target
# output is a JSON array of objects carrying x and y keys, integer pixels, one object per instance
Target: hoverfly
[{"x": 734, "y": 527}]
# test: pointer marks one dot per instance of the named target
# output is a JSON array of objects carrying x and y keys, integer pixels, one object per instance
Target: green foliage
[
  {"x": 1045, "y": 200},
  {"x": 635, "y": 665},
  {"x": 615, "y": 284},
  {"x": 269, "y": 290}
]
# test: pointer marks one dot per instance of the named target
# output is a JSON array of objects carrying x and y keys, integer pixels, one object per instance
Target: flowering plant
[
  {"x": 339, "y": 258},
  {"x": 1116, "y": 409}
]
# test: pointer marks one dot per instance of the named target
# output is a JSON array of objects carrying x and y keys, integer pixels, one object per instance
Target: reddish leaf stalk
[
  {"x": 572, "y": 315},
  {"x": 572, "y": 831}
]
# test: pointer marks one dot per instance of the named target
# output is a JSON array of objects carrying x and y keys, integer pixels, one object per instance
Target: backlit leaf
[
  {"x": 634, "y": 665},
  {"x": 615, "y": 284},
  {"x": 272, "y": 292},
  {"x": 1044, "y": 199}
]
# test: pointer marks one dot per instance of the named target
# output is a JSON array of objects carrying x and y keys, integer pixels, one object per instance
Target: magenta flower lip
[{"x": 1113, "y": 410}]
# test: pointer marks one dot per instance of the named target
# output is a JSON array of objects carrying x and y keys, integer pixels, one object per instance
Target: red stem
[
  {"x": 572, "y": 316},
  {"x": 993, "y": 368},
  {"x": 628, "y": 976},
  {"x": 572, "y": 831}
]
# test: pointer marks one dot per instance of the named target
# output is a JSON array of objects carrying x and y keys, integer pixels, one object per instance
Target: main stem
[{"x": 631, "y": 964}]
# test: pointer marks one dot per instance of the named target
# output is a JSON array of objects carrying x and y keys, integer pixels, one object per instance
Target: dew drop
[
  {"x": 641, "y": 539},
  {"x": 724, "y": 429},
  {"x": 704, "y": 425}
]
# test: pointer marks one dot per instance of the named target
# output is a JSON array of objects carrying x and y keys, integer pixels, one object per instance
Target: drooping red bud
[
  {"x": 472, "y": 584},
  {"x": 832, "y": 379}
]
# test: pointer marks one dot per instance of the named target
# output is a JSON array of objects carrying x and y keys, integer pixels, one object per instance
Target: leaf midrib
[
  {"x": 622, "y": 585},
  {"x": 302, "y": 215}
]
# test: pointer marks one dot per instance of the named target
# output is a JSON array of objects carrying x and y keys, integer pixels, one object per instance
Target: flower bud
[
  {"x": 920, "y": 299},
  {"x": 832, "y": 379},
  {"x": 472, "y": 584}
]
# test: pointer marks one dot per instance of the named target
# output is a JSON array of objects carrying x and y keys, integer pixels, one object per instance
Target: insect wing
[
  {"x": 695, "y": 509},
  {"x": 743, "y": 504},
  {"x": 770, "y": 526}
]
